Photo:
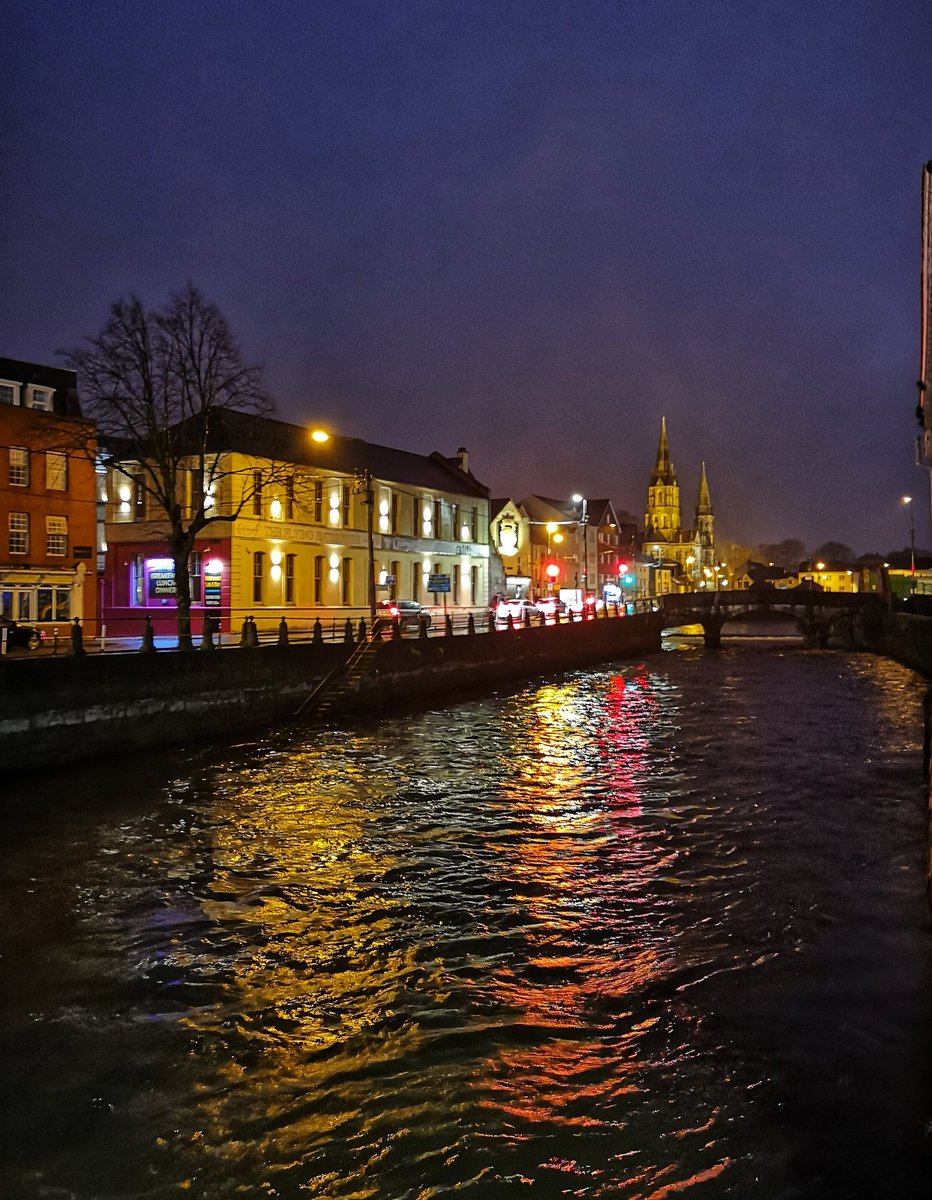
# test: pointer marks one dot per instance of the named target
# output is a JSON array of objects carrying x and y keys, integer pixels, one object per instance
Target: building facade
[
  {"x": 48, "y": 500},
  {"x": 290, "y": 531}
]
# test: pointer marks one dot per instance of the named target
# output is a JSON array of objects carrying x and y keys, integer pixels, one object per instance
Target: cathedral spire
[
  {"x": 663, "y": 472},
  {"x": 704, "y": 502}
]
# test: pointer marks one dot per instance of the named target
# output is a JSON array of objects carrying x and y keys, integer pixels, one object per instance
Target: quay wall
[{"x": 60, "y": 710}]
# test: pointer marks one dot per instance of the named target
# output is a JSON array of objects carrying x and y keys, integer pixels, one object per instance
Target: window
[
  {"x": 456, "y": 583},
  {"x": 395, "y": 573},
  {"x": 454, "y": 522},
  {"x": 56, "y": 471},
  {"x": 19, "y": 466},
  {"x": 54, "y": 604},
  {"x": 415, "y": 516},
  {"x": 474, "y": 525},
  {"x": 394, "y": 512},
  {"x": 258, "y": 571},
  {"x": 194, "y": 576},
  {"x": 19, "y": 533},
  {"x": 289, "y": 498},
  {"x": 415, "y": 581},
  {"x": 257, "y": 494},
  {"x": 289, "y": 578},
  {"x": 318, "y": 501},
  {"x": 56, "y": 536},
  {"x": 41, "y": 399},
  {"x": 438, "y": 518},
  {"x": 9, "y": 393},
  {"x": 473, "y": 585},
  {"x": 345, "y": 504},
  {"x": 318, "y": 578},
  {"x": 139, "y": 579},
  {"x": 347, "y": 576}
]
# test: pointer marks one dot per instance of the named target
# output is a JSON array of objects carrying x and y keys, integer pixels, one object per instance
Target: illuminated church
[{"x": 687, "y": 554}]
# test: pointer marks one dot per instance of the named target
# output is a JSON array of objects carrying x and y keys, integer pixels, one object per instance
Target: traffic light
[
  {"x": 622, "y": 568},
  {"x": 553, "y": 571}
]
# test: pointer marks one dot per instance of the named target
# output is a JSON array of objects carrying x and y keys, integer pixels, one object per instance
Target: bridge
[{"x": 818, "y": 615}]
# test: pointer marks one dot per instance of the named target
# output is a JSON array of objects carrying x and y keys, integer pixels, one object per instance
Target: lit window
[
  {"x": 56, "y": 536},
  {"x": 19, "y": 466},
  {"x": 19, "y": 533},
  {"x": 9, "y": 393},
  {"x": 257, "y": 493},
  {"x": 289, "y": 578},
  {"x": 258, "y": 571},
  {"x": 56, "y": 471}
]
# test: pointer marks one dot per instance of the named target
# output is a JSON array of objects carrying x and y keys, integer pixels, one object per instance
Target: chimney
[{"x": 462, "y": 455}]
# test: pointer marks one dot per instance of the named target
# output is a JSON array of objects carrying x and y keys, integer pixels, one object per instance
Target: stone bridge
[{"x": 818, "y": 615}]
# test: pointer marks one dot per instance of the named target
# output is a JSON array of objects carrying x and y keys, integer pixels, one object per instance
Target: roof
[
  {"x": 231, "y": 431},
  {"x": 64, "y": 383}
]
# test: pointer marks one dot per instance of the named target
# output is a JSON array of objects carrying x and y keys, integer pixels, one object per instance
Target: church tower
[
  {"x": 662, "y": 519},
  {"x": 704, "y": 525}
]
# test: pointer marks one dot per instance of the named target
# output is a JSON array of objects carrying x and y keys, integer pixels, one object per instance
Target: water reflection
[{"x": 601, "y": 936}]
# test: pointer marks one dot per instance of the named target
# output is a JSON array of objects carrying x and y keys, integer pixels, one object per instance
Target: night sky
[{"x": 531, "y": 229}]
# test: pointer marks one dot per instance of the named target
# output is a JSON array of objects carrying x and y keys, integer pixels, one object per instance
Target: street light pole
[
  {"x": 908, "y": 501},
  {"x": 362, "y": 483},
  {"x": 584, "y": 524}
]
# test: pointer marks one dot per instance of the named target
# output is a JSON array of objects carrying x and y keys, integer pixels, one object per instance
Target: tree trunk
[{"x": 181, "y": 552}]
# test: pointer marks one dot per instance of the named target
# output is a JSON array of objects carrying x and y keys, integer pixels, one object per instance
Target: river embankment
[{"x": 61, "y": 710}]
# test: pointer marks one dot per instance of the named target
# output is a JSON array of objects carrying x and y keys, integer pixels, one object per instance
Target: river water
[{"x": 653, "y": 930}]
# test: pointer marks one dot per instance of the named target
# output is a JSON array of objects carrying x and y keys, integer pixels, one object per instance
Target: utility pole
[{"x": 362, "y": 485}]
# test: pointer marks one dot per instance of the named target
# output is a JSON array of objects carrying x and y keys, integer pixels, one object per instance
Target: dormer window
[
  {"x": 40, "y": 399},
  {"x": 9, "y": 392}
]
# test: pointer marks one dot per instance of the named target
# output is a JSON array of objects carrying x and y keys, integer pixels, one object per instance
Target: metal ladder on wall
[{"x": 345, "y": 675}]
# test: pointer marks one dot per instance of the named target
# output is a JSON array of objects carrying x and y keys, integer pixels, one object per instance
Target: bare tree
[
  {"x": 788, "y": 554},
  {"x": 156, "y": 383}
]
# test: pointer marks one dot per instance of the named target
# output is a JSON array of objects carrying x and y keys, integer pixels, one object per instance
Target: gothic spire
[
  {"x": 663, "y": 472},
  {"x": 704, "y": 502}
]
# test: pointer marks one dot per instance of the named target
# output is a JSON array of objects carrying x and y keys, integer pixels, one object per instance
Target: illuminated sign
[
  {"x": 161, "y": 575},
  {"x": 213, "y": 578}
]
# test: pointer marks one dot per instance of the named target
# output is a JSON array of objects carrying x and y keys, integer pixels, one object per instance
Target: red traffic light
[
  {"x": 553, "y": 570},
  {"x": 622, "y": 568}
]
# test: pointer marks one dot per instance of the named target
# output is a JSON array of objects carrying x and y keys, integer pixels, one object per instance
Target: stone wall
[{"x": 57, "y": 710}]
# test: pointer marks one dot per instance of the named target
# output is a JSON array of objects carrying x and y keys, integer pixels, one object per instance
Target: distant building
[
  {"x": 48, "y": 499},
  {"x": 685, "y": 557}
]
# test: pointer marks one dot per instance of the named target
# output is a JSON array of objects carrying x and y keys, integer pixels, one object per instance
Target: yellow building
[{"x": 289, "y": 532}]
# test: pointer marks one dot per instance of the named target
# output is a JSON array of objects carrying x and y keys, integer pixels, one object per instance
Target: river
[{"x": 652, "y": 930}]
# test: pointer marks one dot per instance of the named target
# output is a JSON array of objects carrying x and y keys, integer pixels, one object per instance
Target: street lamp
[
  {"x": 584, "y": 524},
  {"x": 908, "y": 501}
]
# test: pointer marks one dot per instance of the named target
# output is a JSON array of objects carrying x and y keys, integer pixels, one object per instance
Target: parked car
[
  {"x": 407, "y": 612},
  {"x": 550, "y": 606},
  {"x": 517, "y": 609},
  {"x": 22, "y": 637}
]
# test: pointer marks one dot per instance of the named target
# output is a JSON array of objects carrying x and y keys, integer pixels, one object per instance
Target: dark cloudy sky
[{"x": 529, "y": 228}]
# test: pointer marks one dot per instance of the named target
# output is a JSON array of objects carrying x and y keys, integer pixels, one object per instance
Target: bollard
[
  {"x": 283, "y": 632},
  {"x": 103, "y": 638},
  {"x": 510, "y": 623},
  {"x": 361, "y": 634},
  {"x": 318, "y": 635},
  {"x": 422, "y": 626},
  {"x": 396, "y": 629},
  {"x": 470, "y": 624},
  {"x": 556, "y": 615},
  {"x": 244, "y": 632},
  {"x": 148, "y": 638},
  {"x": 77, "y": 639},
  {"x": 491, "y": 622},
  {"x": 541, "y": 619},
  {"x": 448, "y": 625},
  {"x": 207, "y": 635},
  {"x": 55, "y": 640},
  {"x": 348, "y": 635},
  {"x": 253, "y": 632}
]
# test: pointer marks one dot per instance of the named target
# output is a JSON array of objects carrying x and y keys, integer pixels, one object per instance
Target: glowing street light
[
  {"x": 320, "y": 436},
  {"x": 908, "y": 501}
]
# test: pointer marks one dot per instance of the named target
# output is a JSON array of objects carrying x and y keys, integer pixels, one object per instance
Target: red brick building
[{"x": 48, "y": 499}]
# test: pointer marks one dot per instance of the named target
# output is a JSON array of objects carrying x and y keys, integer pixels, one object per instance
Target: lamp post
[
  {"x": 908, "y": 501},
  {"x": 584, "y": 525},
  {"x": 362, "y": 483}
]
